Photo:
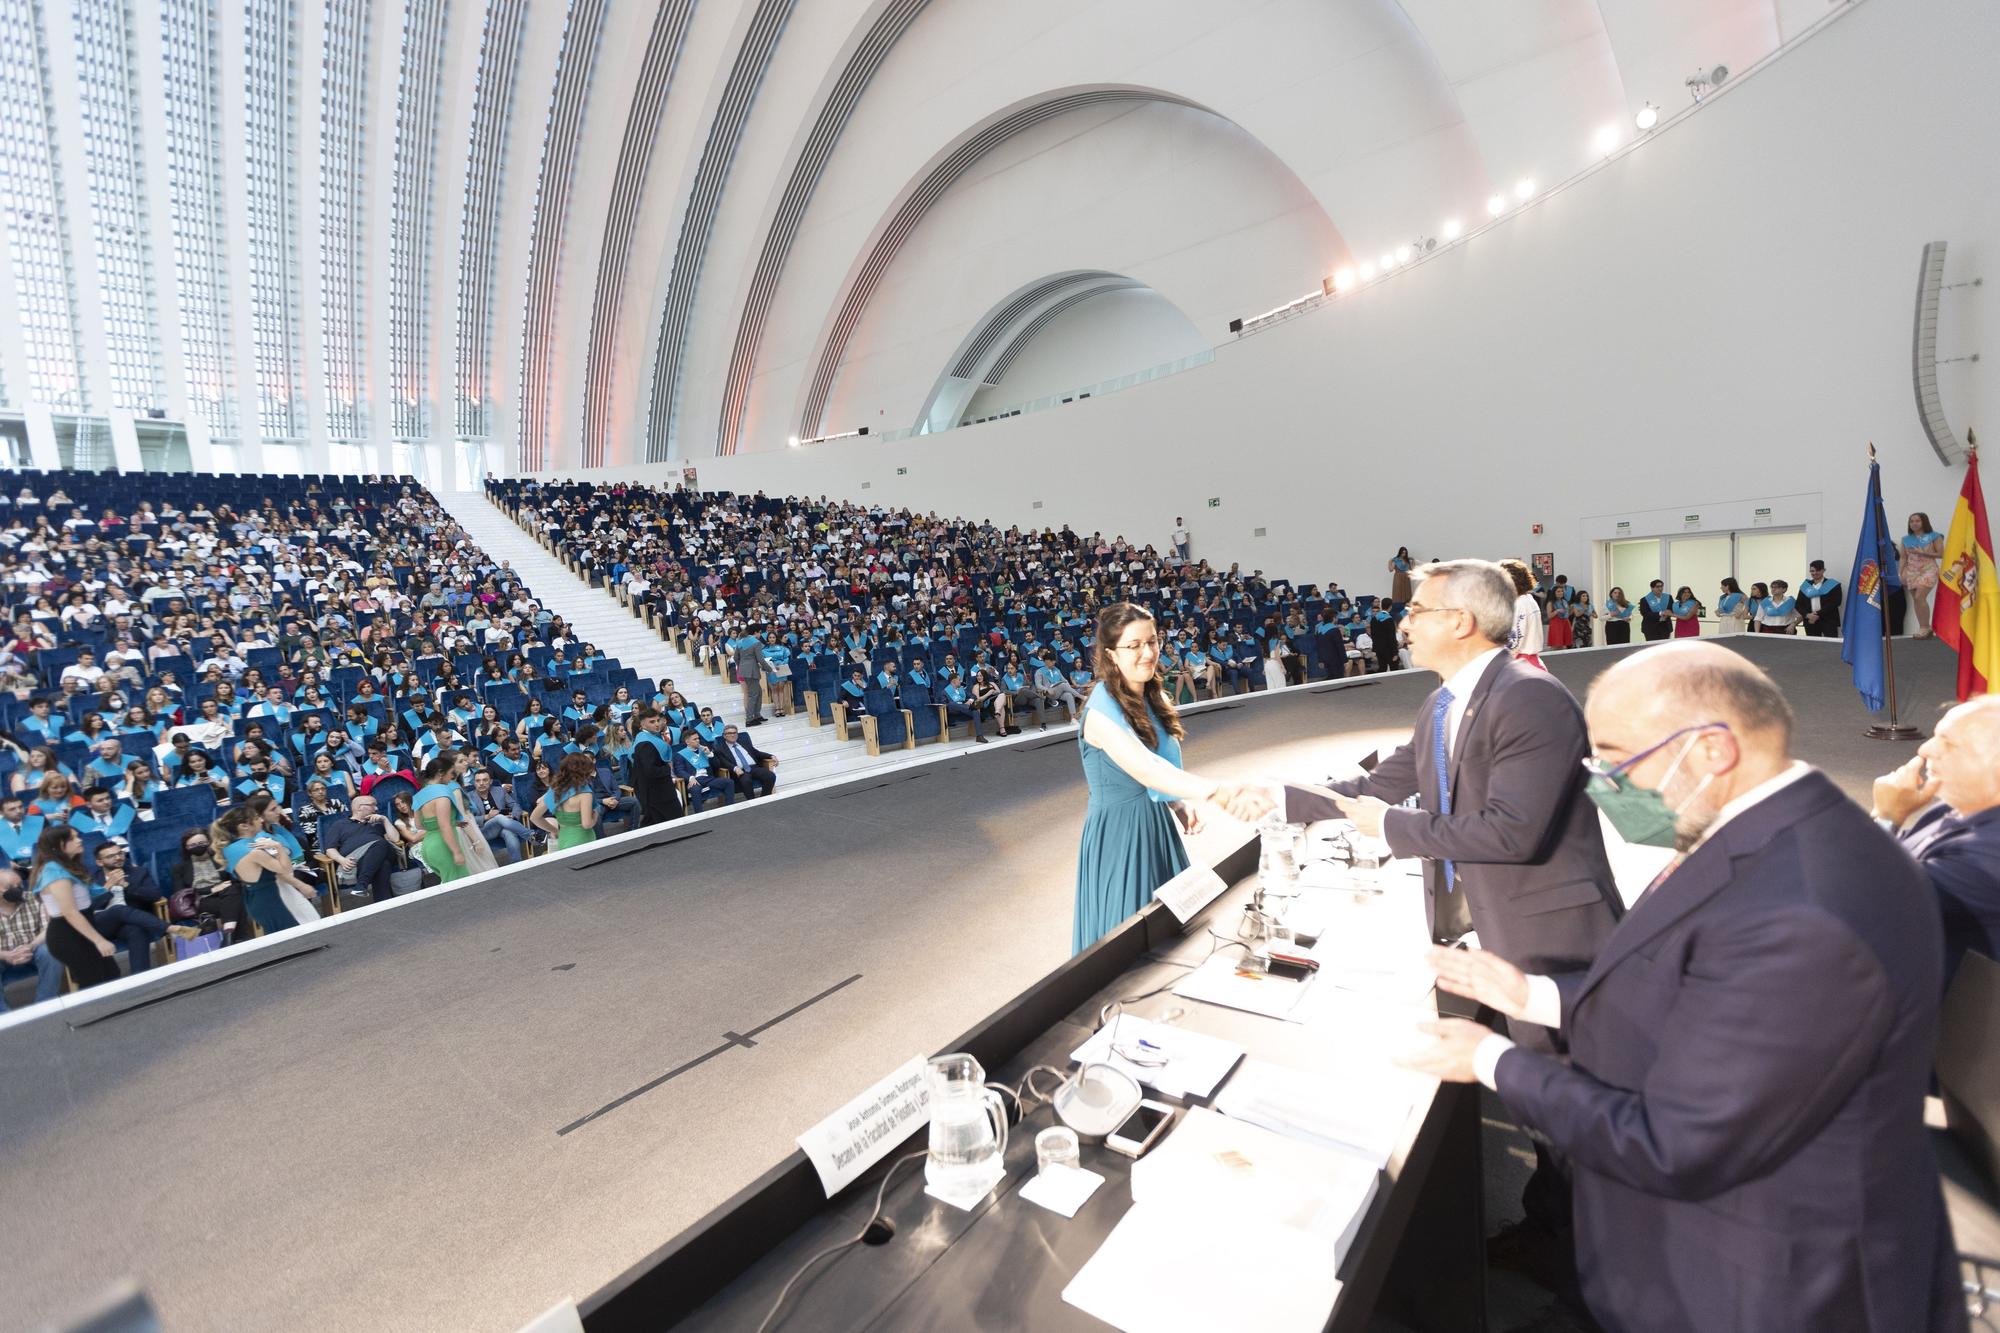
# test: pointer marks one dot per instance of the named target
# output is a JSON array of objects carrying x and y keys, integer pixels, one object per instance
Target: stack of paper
[
  {"x": 1194, "y": 1063},
  {"x": 1218, "y": 982},
  {"x": 1231, "y": 1226},
  {"x": 1350, "y": 1111}
]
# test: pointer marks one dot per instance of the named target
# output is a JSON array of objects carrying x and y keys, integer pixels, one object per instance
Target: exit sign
[
  {"x": 1215, "y": 502},
  {"x": 902, "y": 471}
]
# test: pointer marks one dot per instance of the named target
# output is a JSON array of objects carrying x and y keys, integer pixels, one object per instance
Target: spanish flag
[{"x": 1968, "y": 596}]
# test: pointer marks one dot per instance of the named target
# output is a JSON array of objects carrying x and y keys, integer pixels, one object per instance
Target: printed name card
[
  {"x": 861, "y": 1133},
  {"x": 1190, "y": 891}
]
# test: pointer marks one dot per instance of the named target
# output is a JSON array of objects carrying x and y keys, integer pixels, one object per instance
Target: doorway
[{"x": 1701, "y": 561}]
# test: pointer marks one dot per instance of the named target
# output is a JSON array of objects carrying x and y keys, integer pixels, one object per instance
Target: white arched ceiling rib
[
  {"x": 1535, "y": 82},
  {"x": 635, "y": 156},
  {"x": 962, "y": 376},
  {"x": 698, "y": 223},
  {"x": 479, "y": 226},
  {"x": 581, "y": 33},
  {"x": 1346, "y": 96},
  {"x": 919, "y": 199},
  {"x": 1027, "y": 332},
  {"x": 891, "y": 20}
]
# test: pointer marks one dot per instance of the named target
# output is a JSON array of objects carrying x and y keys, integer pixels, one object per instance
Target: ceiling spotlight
[
  {"x": 1451, "y": 229},
  {"x": 1649, "y": 116},
  {"x": 1704, "y": 81},
  {"x": 1343, "y": 279},
  {"x": 1367, "y": 270},
  {"x": 1402, "y": 254},
  {"x": 1524, "y": 189},
  {"x": 1386, "y": 262},
  {"x": 1607, "y": 139},
  {"x": 794, "y": 442},
  {"x": 1497, "y": 205}
]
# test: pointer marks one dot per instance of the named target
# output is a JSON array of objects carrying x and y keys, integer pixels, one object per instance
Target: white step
[{"x": 807, "y": 754}]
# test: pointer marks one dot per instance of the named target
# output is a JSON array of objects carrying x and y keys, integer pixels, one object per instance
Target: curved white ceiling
[{"x": 679, "y": 228}]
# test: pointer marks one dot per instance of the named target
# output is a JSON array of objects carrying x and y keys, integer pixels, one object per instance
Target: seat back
[{"x": 1968, "y": 1076}]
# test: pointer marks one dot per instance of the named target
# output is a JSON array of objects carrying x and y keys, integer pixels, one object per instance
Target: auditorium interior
[{"x": 1034, "y": 681}]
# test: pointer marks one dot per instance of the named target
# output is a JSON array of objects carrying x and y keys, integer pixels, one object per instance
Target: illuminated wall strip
[
  {"x": 581, "y": 35},
  {"x": 193, "y": 105},
  {"x": 419, "y": 89},
  {"x": 868, "y": 57},
  {"x": 31, "y": 196},
  {"x": 343, "y": 251},
  {"x": 479, "y": 228},
  {"x": 698, "y": 223},
  {"x": 628, "y": 185}
]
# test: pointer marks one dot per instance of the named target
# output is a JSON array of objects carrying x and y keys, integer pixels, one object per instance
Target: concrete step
[{"x": 808, "y": 755}]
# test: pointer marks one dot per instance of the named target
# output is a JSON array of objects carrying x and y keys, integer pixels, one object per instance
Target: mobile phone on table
[{"x": 1141, "y": 1130}]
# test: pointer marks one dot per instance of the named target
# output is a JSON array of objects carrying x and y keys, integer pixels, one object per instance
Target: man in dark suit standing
[
  {"x": 652, "y": 770},
  {"x": 753, "y": 771},
  {"x": 1944, "y": 807},
  {"x": 1511, "y": 843},
  {"x": 1742, "y": 1107}
]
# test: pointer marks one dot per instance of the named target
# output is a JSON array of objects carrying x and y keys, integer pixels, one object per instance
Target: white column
[
  {"x": 124, "y": 441},
  {"x": 42, "y": 437}
]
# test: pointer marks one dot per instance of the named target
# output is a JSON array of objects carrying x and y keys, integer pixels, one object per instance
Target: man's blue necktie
[{"x": 1440, "y": 709}]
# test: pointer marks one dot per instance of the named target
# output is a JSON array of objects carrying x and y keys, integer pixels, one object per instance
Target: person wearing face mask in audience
[{"x": 1742, "y": 1102}]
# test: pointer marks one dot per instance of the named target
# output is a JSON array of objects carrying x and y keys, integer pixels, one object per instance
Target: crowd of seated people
[
  {"x": 880, "y": 612},
  {"x": 181, "y": 648}
]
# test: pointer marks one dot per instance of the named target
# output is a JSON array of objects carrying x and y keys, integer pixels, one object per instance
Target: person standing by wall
[
  {"x": 1180, "y": 540},
  {"x": 1617, "y": 618},
  {"x": 1400, "y": 566},
  {"x": 1732, "y": 609},
  {"x": 1923, "y": 549},
  {"x": 1819, "y": 602},
  {"x": 749, "y": 658}
]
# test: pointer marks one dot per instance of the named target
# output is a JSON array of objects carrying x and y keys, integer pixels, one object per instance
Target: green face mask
[{"x": 1641, "y": 815}]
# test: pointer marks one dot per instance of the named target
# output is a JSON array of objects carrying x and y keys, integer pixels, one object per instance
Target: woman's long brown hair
[{"x": 1112, "y": 621}]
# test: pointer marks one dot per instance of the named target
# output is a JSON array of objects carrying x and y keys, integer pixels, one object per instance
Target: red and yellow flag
[{"x": 1968, "y": 597}]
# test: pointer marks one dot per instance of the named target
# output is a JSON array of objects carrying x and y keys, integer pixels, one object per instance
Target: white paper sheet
[
  {"x": 1062, "y": 1189},
  {"x": 1195, "y": 1062},
  {"x": 1356, "y": 1109},
  {"x": 1218, "y": 982}
]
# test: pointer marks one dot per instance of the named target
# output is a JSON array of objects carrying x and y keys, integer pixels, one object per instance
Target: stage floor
[{"x": 458, "y": 1112}]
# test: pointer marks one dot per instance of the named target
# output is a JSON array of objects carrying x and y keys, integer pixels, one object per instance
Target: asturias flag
[
  {"x": 1874, "y": 577},
  {"x": 1967, "y": 617}
]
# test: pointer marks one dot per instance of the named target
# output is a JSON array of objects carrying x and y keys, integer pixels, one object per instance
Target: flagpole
[{"x": 1893, "y": 730}]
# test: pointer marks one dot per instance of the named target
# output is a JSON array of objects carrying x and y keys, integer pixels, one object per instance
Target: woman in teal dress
[
  {"x": 569, "y": 809},
  {"x": 438, "y": 814},
  {"x": 1131, "y": 746},
  {"x": 260, "y": 864}
]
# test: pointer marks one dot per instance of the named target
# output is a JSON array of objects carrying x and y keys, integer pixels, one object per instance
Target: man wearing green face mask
[{"x": 1749, "y": 1053}]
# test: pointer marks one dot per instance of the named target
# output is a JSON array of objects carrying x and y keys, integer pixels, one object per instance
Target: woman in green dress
[
  {"x": 438, "y": 815},
  {"x": 1131, "y": 744},
  {"x": 568, "y": 809}
]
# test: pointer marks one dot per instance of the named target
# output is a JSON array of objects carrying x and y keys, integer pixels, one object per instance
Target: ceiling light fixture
[
  {"x": 1607, "y": 140},
  {"x": 1343, "y": 279},
  {"x": 1367, "y": 271},
  {"x": 1524, "y": 189},
  {"x": 1649, "y": 116},
  {"x": 1402, "y": 254},
  {"x": 1497, "y": 205},
  {"x": 1451, "y": 229}
]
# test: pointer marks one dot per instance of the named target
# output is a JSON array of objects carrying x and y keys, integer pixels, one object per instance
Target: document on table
[
  {"x": 1356, "y": 1109},
  {"x": 1218, "y": 982},
  {"x": 1194, "y": 1062},
  {"x": 1230, "y": 1228}
]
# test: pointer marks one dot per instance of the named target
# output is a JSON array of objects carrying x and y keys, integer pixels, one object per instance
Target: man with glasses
[
  {"x": 1510, "y": 842},
  {"x": 1742, "y": 1103}
]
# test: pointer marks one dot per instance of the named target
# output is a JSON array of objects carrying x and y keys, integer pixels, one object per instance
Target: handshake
[{"x": 1247, "y": 801}]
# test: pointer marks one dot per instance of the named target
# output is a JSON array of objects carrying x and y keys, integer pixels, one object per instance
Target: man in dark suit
[
  {"x": 1944, "y": 807},
  {"x": 1656, "y": 620},
  {"x": 1742, "y": 1107},
  {"x": 1819, "y": 602},
  {"x": 753, "y": 771},
  {"x": 652, "y": 770},
  {"x": 1511, "y": 843}
]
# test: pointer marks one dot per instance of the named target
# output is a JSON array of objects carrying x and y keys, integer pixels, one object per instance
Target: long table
[{"x": 1417, "y": 1252}]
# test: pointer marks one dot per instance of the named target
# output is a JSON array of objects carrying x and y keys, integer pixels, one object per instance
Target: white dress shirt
[
  {"x": 1462, "y": 683},
  {"x": 1544, "y": 1007}
]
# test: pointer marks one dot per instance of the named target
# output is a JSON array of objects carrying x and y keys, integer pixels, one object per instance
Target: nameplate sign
[
  {"x": 1190, "y": 891},
  {"x": 861, "y": 1133}
]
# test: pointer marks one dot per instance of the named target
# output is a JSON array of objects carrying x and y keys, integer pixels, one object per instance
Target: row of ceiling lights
[{"x": 1606, "y": 141}]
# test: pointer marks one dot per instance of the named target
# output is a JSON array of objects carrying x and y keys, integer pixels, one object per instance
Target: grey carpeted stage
[{"x": 455, "y": 1113}]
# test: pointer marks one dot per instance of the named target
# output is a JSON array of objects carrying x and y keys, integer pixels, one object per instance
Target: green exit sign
[
  {"x": 1215, "y": 502},
  {"x": 902, "y": 471}
]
